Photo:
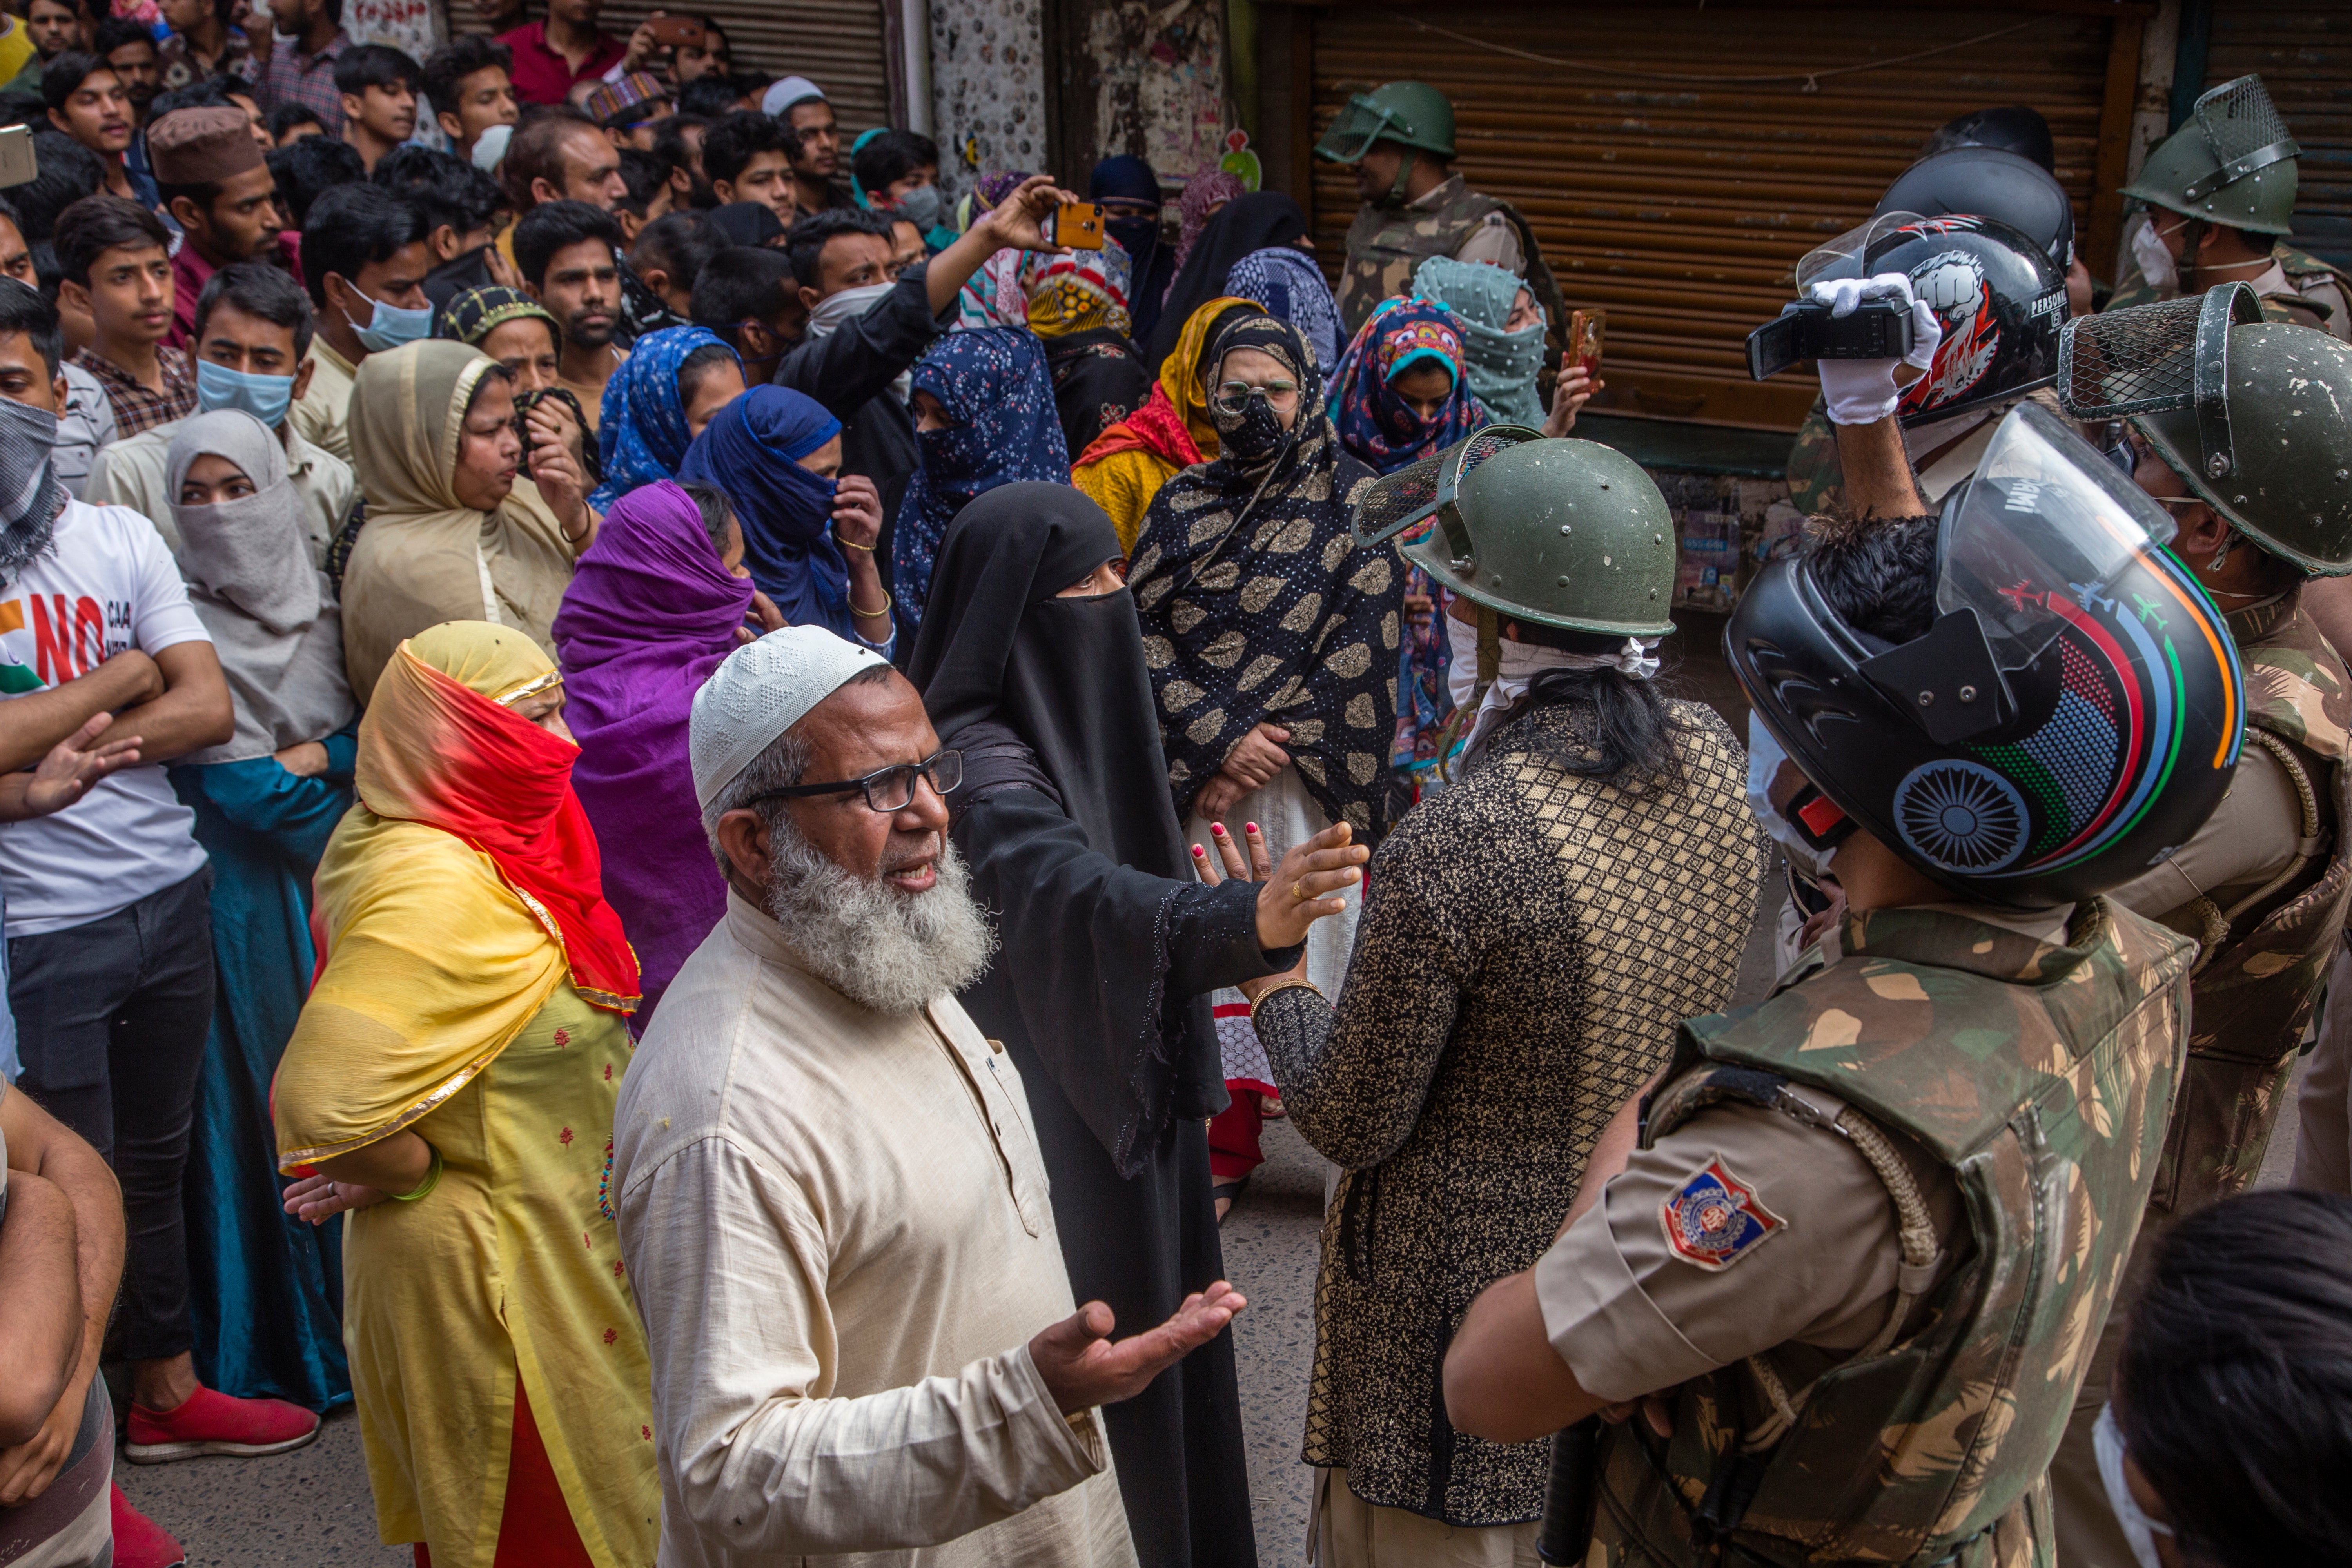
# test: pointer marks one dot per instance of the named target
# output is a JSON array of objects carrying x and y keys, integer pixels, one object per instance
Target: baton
[{"x": 1569, "y": 1495}]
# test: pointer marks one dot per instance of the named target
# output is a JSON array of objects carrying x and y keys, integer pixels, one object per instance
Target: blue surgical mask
[
  {"x": 266, "y": 397},
  {"x": 389, "y": 326}
]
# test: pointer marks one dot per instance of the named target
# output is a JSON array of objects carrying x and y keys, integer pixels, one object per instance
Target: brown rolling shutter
[
  {"x": 837, "y": 44},
  {"x": 2303, "y": 52},
  {"x": 1680, "y": 206}
]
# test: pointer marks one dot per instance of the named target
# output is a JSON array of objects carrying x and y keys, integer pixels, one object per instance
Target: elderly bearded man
[{"x": 830, "y": 1198}]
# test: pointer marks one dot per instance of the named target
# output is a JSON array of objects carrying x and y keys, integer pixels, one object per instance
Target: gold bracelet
[
  {"x": 1277, "y": 988},
  {"x": 852, "y": 544},
  {"x": 882, "y": 614}
]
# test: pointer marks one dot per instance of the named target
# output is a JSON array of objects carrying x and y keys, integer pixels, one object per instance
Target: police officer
[
  {"x": 2262, "y": 508},
  {"x": 2221, "y": 194},
  {"x": 1859, "y": 1227},
  {"x": 1399, "y": 138}
]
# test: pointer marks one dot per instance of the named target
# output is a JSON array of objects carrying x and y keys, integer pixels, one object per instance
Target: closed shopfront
[{"x": 2303, "y": 52}]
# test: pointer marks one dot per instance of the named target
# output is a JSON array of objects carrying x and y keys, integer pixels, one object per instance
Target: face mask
[
  {"x": 1462, "y": 674},
  {"x": 924, "y": 207},
  {"x": 27, "y": 436},
  {"x": 2155, "y": 263},
  {"x": 266, "y": 397},
  {"x": 389, "y": 326},
  {"x": 834, "y": 310},
  {"x": 2107, "y": 1442},
  {"x": 1252, "y": 436},
  {"x": 1136, "y": 235}
]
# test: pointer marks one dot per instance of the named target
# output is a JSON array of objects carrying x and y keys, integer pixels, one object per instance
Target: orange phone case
[
  {"x": 1586, "y": 330},
  {"x": 674, "y": 31},
  {"x": 1078, "y": 224}
]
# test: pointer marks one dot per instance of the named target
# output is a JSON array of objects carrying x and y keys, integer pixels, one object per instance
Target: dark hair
[
  {"x": 115, "y": 32},
  {"x": 69, "y": 172},
  {"x": 805, "y": 241},
  {"x": 310, "y": 169},
  {"x": 537, "y": 151},
  {"x": 8, "y": 210},
  {"x": 451, "y": 191},
  {"x": 696, "y": 366},
  {"x": 101, "y": 223},
  {"x": 553, "y": 226},
  {"x": 23, "y": 309},
  {"x": 212, "y": 92},
  {"x": 646, "y": 175},
  {"x": 669, "y": 139},
  {"x": 736, "y": 139},
  {"x": 365, "y": 66},
  {"x": 446, "y": 68},
  {"x": 261, "y": 290},
  {"x": 718, "y": 511},
  {"x": 351, "y": 226},
  {"x": 681, "y": 244},
  {"x": 1630, "y": 742},
  {"x": 708, "y": 97},
  {"x": 494, "y": 371},
  {"x": 1879, "y": 575},
  {"x": 741, "y": 283},
  {"x": 287, "y": 116},
  {"x": 63, "y": 77},
  {"x": 2234, "y": 1385},
  {"x": 892, "y": 156}
]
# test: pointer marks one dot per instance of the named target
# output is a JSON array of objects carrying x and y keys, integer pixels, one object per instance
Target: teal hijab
[{"x": 1501, "y": 366}]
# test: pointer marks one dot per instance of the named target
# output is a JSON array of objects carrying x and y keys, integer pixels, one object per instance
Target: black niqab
[{"x": 1257, "y": 221}]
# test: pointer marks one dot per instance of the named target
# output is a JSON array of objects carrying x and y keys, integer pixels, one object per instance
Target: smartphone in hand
[{"x": 1078, "y": 224}]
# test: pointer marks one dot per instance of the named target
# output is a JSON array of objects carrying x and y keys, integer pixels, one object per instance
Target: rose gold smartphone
[{"x": 1586, "y": 329}]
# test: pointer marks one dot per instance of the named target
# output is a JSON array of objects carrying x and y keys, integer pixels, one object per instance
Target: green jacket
[
  {"x": 1386, "y": 244},
  {"x": 2041, "y": 1077}
]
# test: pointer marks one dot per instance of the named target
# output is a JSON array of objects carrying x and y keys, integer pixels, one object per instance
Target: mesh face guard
[
  {"x": 1427, "y": 488},
  {"x": 2243, "y": 128},
  {"x": 1352, "y": 133},
  {"x": 2154, "y": 359}
]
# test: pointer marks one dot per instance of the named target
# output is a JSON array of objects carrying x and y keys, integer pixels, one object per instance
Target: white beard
[{"x": 887, "y": 951}]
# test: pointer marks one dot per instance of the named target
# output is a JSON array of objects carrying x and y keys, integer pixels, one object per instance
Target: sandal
[{"x": 1227, "y": 1194}]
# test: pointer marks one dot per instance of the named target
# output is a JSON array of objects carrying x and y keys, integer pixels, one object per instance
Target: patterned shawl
[
  {"x": 642, "y": 436},
  {"x": 473, "y": 315},
  {"x": 1003, "y": 427},
  {"x": 1084, "y": 292},
  {"x": 1289, "y": 285},
  {"x": 1502, "y": 366},
  {"x": 1173, "y": 423},
  {"x": 1257, "y": 607},
  {"x": 995, "y": 296}
]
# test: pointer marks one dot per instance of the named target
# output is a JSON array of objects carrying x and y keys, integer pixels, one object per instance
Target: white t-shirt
[{"x": 106, "y": 585}]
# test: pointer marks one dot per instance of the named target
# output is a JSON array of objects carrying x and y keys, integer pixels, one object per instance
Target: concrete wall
[{"x": 988, "y": 87}]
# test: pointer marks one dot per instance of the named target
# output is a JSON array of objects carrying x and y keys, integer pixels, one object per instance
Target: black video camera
[{"x": 1876, "y": 329}]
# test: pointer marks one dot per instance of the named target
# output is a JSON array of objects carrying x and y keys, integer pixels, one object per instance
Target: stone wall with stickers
[{"x": 988, "y": 87}]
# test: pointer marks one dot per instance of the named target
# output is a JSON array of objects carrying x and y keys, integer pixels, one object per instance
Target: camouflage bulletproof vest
[
  {"x": 2305, "y": 273},
  {"x": 2255, "y": 993},
  {"x": 1385, "y": 244},
  {"x": 2040, "y": 1078}
]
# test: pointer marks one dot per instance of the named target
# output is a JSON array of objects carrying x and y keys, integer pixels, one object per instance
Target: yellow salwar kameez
[
  {"x": 447, "y": 1008},
  {"x": 1123, "y": 481}
]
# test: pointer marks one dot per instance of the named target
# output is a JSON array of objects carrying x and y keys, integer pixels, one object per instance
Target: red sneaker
[
  {"x": 210, "y": 1422},
  {"x": 140, "y": 1542}
]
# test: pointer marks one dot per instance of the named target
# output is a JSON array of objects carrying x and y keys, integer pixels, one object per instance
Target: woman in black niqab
[
  {"x": 1258, "y": 221},
  {"x": 1108, "y": 948}
]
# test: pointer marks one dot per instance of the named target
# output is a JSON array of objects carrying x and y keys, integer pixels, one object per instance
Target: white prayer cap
[
  {"x": 764, "y": 689},
  {"x": 492, "y": 149},
  {"x": 781, "y": 96}
]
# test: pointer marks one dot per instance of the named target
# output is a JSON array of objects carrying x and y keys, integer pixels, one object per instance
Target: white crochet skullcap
[
  {"x": 783, "y": 95},
  {"x": 764, "y": 689}
]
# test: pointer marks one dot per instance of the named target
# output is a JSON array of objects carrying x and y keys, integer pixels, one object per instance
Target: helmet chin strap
[{"x": 1397, "y": 193}]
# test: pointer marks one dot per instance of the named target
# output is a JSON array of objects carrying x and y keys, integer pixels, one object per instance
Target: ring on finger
[{"x": 1299, "y": 890}]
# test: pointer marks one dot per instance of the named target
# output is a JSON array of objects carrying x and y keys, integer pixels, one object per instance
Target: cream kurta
[{"x": 838, "y": 1231}]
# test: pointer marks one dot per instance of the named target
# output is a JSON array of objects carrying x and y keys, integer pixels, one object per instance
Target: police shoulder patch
[{"x": 1714, "y": 1220}]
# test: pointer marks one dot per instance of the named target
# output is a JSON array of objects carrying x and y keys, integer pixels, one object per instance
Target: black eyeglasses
[{"x": 887, "y": 789}]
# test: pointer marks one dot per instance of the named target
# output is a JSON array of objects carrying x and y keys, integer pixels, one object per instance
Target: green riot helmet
[
  {"x": 2232, "y": 164},
  {"x": 1409, "y": 113},
  {"x": 2255, "y": 415},
  {"x": 1561, "y": 532}
]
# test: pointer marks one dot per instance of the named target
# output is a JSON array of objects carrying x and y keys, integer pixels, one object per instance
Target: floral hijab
[
  {"x": 642, "y": 435},
  {"x": 1003, "y": 427},
  {"x": 1084, "y": 292},
  {"x": 1374, "y": 422},
  {"x": 1288, "y": 284}
]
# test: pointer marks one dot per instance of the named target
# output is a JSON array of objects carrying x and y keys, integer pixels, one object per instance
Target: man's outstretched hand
[{"x": 1082, "y": 1366}]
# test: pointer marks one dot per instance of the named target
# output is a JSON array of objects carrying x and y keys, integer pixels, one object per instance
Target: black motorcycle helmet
[
  {"x": 2001, "y": 300},
  {"x": 2071, "y": 718},
  {"x": 2015, "y": 128},
  {"x": 1990, "y": 182}
]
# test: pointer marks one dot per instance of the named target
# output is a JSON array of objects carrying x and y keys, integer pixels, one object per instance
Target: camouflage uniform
[
  {"x": 1816, "y": 476},
  {"x": 1385, "y": 244},
  {"x": 2315, "y": 293},
  {"x": 2007, "y": 1089}
]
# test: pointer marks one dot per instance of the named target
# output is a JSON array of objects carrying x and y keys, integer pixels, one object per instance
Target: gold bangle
[
  {"x": 1277, "y": 988},
  {"x": 880, "y": 615},
  {"x": 851, "y": 543}
]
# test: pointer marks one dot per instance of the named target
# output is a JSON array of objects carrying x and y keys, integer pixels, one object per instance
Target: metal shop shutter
[
  {"x": 837, "y": 43},
  {"x": 2304, "y": 54},
  {"x": 1681, "y": 207}
]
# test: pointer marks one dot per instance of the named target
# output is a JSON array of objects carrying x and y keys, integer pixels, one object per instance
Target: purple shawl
[{"x": 649, "y": 614}]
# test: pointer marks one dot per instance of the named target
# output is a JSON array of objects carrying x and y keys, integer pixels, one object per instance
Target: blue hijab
[
  {"x": 1002, "y": 427},
  {"x": 641, "y": 434},
  {"x": 752, "y": 452}
]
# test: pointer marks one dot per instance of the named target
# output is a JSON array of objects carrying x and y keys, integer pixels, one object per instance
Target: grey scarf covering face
[
  {"x": 30, "y": 494},
  {"x": 271, "y": 614}
]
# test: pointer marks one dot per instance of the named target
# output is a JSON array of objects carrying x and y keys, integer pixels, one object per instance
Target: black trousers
[{"x": 112, "y": 1019}]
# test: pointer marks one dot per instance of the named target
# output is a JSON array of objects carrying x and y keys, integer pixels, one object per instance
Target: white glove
[{"x": 1863, "y": 391}]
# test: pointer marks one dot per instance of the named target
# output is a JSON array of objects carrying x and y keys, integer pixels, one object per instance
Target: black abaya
[{"x": 1109, "y": 948}]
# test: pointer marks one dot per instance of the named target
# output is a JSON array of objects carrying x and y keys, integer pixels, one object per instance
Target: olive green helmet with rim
[
  {"x": 2233, "y": 163},
  {"x": 1410, "y": 113},
  {"x": 1557, "y": 532}
]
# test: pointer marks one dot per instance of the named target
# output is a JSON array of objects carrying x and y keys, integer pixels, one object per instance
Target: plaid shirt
[
  {"x": 138, "y": 406},
  {"x": 306, "y": 79}
]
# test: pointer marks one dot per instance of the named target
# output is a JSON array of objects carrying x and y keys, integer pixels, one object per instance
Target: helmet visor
[
  {"x": 2041, "y": 530},
  {"x": 1352, "y": 133},
  {"x": 1843, "y": 257}
]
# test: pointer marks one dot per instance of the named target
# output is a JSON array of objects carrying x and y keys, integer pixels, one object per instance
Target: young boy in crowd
[
  {"x": 88, "y": 101},
  {"x": 378, "y": 86},
  {"x": 364, "y": 259},
  {"x": 470, "y": 84},
  {"x": 115, "y": 263}
]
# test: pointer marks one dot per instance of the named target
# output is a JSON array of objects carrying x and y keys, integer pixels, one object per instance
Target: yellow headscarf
[
  {"x": 433, "y": 963},
  {"x": 424, "y": 557},
  {"x": 1179, "y": 373}
]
